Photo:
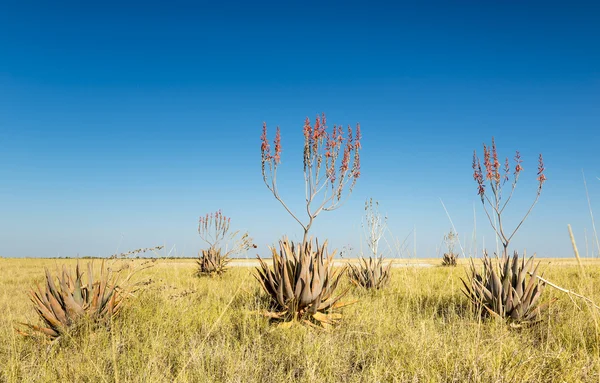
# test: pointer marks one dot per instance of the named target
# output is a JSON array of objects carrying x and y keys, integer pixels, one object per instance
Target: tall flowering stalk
[
  {"x": 213, "y": 227},
  {"x": 374, "y": 226},
  {"x": 331, "y": 162},
  {"x": 495, "y": 178}
]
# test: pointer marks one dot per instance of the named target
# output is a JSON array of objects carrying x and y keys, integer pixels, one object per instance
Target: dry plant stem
[
  {"x": 473, "y": 252},
  {"x": 576, "y": 251},
  {"x": 569, "y": 292},
  {"x": 453, "y": 227},
  {"x": 566, "y": 291},
  {"x": 137, "y": 251},
  {"x": 591, "y": 213},
  {"x": 114, "y": 353},
  {"x": 374, "y": 226},
  {"x": 399, "y": 247},
  {"x": 273, "y": 189}
]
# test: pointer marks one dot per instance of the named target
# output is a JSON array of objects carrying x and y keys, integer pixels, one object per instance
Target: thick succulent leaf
[
  {"x": 57, "y": 310},
  {"x": 280, "y": 297},
  {"x": 47, "y": 315},
  {"x": 72, "y": 308},
  {"x": 50, "y": 332},
  {"x": 77, "y": 295},
  {"x": 90, "y": 277}
]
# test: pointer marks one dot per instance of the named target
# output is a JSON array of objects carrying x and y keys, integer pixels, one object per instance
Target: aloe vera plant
[
  {"x": 301, "y": 283},
  {"x": 370, "y": 273},
  {"x": 507, "y": 289},
  {"x": 212, "y": 262},
  {"x": 63, "y": 304},
  {"x": 213, "y": 229},
  {"x": 450, "y": 259}
]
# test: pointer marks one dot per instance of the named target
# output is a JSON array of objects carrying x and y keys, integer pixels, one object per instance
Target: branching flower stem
[
  {"x": 495, "y": 180},
  {"x": 325, "y": 171}
]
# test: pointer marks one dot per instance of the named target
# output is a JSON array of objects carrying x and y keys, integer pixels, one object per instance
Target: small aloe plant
[
  {"x": 214, "y": 230},
  {"x": 212, "y": 262},
  {"x": 451, "y": 257},
  {"x": 506, "y": 288},
  {"x": 370, "y": 273}
]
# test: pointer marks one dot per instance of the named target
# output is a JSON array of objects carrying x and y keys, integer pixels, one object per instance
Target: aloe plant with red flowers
[
  {"x": 506, "y": 288},
  {"x": 302, "y": 280},
  {"x": 331, "y": 162},
  {"x": 496, "y": 177}
]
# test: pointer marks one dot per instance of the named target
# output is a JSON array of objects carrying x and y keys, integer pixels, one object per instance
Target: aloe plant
[
  {"x": 212, "y": 262},
  {"x": 61, "y": 306},
  {"x": 370, "y": 273},
  {"x": 213, "y": 229},
  {"x": 301, "y": 283},
  {"x": 507, "y": 289},
  {"x": 450, "y": 259}
]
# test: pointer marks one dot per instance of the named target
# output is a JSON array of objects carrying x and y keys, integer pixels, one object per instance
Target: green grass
[{"x": 189, "y": 329}]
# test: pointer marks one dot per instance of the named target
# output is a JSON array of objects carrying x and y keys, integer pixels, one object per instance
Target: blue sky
[{"x": 122, "y": 123}]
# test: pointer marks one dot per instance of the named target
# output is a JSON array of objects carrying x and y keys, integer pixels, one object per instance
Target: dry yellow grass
[{"x": 188, "y": 329}]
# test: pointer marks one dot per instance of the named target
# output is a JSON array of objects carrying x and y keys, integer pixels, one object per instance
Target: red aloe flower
[
  {"x": 319, "y": 129},
  {"x": 265, "y": 149},
  {"x": 347, "y": 149},
  {"x": 307, "y": 128},
  {"x": 358, "y": 137},
  {"x": 323, "y": 132},
  {"x": 518, "y": 167},
  {"x": 486, "y": 162},
  {"x": 478, "y": 175},
  {"x": 506, "y": 170},
  {"x": 329, "y": 144},
  {"x": 356, "y": 164},
  {"x": 541, "y": 177},
  {"x": 277, "y": 142},
  {"x": 495, "y": 163},
  {"x": 474, "y": 166}
]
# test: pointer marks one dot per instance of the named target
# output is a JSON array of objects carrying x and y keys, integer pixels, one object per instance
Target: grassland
[{"x": 188, "y": 329}]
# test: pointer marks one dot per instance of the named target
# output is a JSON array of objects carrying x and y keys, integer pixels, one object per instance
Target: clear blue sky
[{"x": 122, "y": 123}]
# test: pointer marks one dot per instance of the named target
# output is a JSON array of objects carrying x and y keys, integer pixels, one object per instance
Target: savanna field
[{"x": 420, "y": 328}]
